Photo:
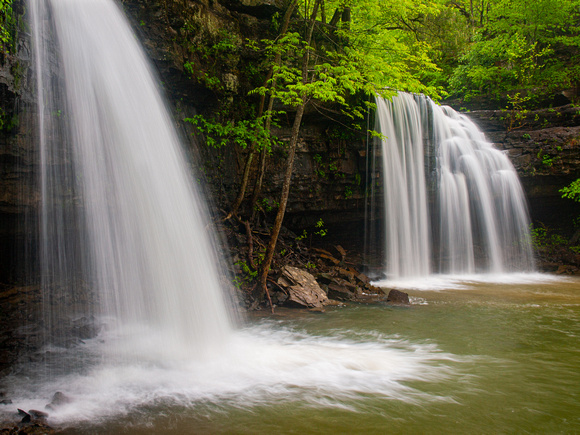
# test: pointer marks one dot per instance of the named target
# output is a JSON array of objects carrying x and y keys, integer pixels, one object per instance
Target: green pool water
[{"x": 510, "y": 364}]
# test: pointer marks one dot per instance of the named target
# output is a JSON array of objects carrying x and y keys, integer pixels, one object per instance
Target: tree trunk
[
  {"x": 264, "y": 153},
  {"x": 250, "y": 158},
  {"x": 245, "y": 180},
  {"x": 262, "y": 285}
]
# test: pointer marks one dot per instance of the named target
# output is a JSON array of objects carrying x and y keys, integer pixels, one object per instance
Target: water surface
[{"x": 478, "y": 358}]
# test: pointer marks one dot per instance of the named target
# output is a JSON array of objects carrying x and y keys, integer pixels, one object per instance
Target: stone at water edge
[
  {"x": 25, "y": 416},
  {"x": 58, "y": 399},
  {"x": 302, "y": 288},
  {"x": 38, "y": 414},
  {"x": 398, "y": 297}
]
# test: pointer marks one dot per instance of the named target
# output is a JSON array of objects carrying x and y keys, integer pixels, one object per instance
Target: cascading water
[
  {"x": 407, "y": 230},
  {"x": 480, "y": 221},
  {"x": 121, "y": 218},
  {"x": 140, "y": 225}
]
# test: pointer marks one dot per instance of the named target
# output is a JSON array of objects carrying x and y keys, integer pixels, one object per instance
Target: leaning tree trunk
[
  {"x": 251, "y": 155},
  {"x": 262, "y": 288}
]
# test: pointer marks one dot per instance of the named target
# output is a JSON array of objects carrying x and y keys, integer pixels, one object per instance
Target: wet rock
[
  {"x": 35, "y": 413},
  {"x": 346, "y": 274},
  {"x": 566, "y": 269},
  {"x": 363, "y": 279},
  {"x": 85, "y": 328},
  {"x": 257, "y": 8},
  {"x": 317, "y": 310},
  {"x": 278, "y": 297},
  {"x": 330, "y": 258},
  {"x": 398, "y": 297},
  {"x": 36, "y": 428},
  {"x": 302, "y": 288},
  {"x": 58, "y": 399},
  {"x": 339, "y": 292},
  {"x": 26, "y": 418},
  {"x": 341, "y": 251},
  {"x": 324, "y": 278}
]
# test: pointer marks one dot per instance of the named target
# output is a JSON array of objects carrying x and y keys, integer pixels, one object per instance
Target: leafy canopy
[{"x": 519, "y": 44}]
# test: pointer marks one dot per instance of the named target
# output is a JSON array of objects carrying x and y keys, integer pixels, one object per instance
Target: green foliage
[
  {"x": 7, "y": 26},
  {"x": 545, "y": 239},
  {"x": 268, "y": 204},
  {"x": 572, "y": 191},
  {"x": 247, "y": 277},
  {"x": 242, "y": 133},
  {"x": 368, "y": 56},
  {"x": 347, "y": 192},
  {"x": 518, "y": 44},
  {"x": 321, "y": 230},
  {"x": 302, "y": 236},
  {"x": 516, "y": 113},
  {"x": 210, "y": 54}
]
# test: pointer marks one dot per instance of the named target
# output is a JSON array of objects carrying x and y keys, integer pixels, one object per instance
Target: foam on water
[
  {"x": 262, "y": 364},
  {"x": 467, "y": 281}
]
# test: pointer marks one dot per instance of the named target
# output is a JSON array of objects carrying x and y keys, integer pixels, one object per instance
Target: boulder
[
  {"x": 58, "y": 399},
  {"x": 302, "y": 288},
  {"x": 38, "y": 414},
  {"x": 398, "y": 297},
  {"x": 342, "y": 293}
]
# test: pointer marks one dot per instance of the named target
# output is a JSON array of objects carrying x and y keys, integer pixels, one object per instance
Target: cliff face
[
  {"x": 18, "y": 194},
  {"x": 330, "y": 168}
]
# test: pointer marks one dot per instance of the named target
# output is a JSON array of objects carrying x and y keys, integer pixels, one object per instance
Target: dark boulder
[{"x": 398, "y": 297}]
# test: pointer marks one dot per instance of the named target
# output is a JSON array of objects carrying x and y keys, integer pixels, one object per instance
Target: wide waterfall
[
  {"x": 453, "y": 203},
  {"x": 120, "y": 212}
]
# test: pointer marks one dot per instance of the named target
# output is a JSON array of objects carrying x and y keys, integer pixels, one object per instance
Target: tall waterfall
[
  {"x": 453, "y": 203},
  {"x": 120, "y": 212}
]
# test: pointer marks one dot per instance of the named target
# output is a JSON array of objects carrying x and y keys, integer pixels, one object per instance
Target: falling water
[
  {"x": 120, "y": 210},
  {"x": 479, "y": 221},
  {"x": 121, "y": 218}
]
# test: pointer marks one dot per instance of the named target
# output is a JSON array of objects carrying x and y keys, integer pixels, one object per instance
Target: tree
[
  {"x": 521, "y": 44},
  {"x": 340, "y": 60},
  {"x": 297, "y": 97}
]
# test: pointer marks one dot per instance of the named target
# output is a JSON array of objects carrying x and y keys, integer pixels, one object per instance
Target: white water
[
  {"x": 480, "y": 222},
  {"x": 121, "y": 216},
  {"x": 262, "y": 366},
  {"x": 149, "y": 257}
]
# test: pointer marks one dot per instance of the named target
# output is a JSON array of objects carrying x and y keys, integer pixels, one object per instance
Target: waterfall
[
  {"x": 120, "y": 215},
  {"x": 452, "y": 202}
]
